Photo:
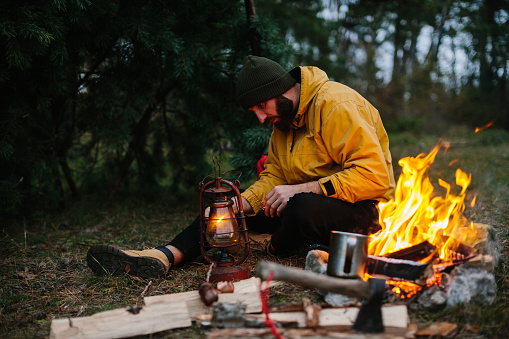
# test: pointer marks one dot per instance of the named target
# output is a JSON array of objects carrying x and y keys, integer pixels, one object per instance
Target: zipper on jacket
[{"x": 293, "y": 140}]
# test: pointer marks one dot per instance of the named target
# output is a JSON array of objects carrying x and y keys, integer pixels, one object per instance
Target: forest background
[
  {"x": 134, "y": 97},
  {"x": 111, "y": 112}
]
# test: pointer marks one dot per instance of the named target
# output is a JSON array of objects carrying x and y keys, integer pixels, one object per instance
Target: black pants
[{"x": 307, "y": 219}]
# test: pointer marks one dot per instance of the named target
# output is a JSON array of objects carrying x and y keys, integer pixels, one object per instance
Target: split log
[
  {"x": 123, "y": 323},
  {"x": 245, "y": 292},
  {"x": 481, "y": 261},
  {"x": 160, "y": 313},
  {"x": 295, "y": 333},
  {"x": 395, "y": 318}
]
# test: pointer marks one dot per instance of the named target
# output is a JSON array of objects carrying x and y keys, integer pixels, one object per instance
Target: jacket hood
[{"x": 312, "y": 79}]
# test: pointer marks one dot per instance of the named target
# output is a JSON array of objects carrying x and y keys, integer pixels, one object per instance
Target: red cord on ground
[{"x": 264, "y": 295}]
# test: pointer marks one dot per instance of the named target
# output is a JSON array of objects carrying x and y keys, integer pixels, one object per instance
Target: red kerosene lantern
[{"x": 221, "y": 228}]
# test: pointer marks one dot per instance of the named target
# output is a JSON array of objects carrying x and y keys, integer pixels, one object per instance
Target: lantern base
[{"x": 228, "y": 273}]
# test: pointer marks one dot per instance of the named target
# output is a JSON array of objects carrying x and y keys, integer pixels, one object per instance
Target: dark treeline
[{"x": 115, "y": 97}]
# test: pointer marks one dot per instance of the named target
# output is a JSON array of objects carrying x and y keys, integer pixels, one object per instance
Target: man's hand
[
  {"x": 246, "y": 208},
  {"x": 276, "y": 200}
]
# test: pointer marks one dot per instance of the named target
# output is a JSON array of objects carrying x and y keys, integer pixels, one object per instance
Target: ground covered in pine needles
[{"x": 44, "y": 273}]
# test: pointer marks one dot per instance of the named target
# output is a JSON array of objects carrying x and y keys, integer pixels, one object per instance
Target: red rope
[{"x": 264, "y": 296}]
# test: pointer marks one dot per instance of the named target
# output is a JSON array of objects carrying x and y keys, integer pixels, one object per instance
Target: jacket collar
[{"x": 312, "y": 79}]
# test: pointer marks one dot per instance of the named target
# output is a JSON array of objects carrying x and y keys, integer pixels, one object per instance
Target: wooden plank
[
  {"x": 395, "y": 318},
  {"x": 160, "y": 313},
  {"x": 263, "y": 333},
  {"x": 121, "y": 323},
  {"x": 246, "y": 292}
]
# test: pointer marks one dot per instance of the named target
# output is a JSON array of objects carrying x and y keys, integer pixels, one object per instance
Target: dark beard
[{"x": 284, "y": 108}]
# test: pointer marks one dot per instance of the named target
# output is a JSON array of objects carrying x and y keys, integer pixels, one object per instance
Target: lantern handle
[
  {"x": 215, "y": 161},
  {"x": 218, "y": 174}
]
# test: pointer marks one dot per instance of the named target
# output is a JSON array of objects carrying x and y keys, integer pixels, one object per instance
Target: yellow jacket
[{"x": 337, "y": 139}]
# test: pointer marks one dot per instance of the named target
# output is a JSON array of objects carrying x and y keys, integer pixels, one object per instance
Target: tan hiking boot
[{"x": 146, "y": 264}]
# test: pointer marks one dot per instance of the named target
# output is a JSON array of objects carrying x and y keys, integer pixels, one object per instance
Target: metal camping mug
[{"x": 348, "y": 253}]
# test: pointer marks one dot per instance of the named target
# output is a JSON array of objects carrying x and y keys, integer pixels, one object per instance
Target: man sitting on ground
[{"x": 328, "y": 166}]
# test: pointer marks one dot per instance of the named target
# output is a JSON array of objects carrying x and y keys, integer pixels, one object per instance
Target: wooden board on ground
[
  {"x": 395, "y": 318},
  {"x": 246, "y": 292},
  {"x": 122, "y": 323},
  {"x": 296, "y": 333}
]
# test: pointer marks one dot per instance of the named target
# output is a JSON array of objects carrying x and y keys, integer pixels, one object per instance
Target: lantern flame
[{"x": 222, "y": 227}]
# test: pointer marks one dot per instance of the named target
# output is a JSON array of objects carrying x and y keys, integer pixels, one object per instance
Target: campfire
[{"x": 423, "y": 227}]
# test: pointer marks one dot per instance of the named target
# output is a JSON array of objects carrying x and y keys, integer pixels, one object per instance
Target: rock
[
  {"x": 228, "y": 315},
  {"x": 470, "y": 283},
  {"x": 316, "y": 261},
  {"x": 432, "y": 299},
  {"x": 335, "y": 299}
]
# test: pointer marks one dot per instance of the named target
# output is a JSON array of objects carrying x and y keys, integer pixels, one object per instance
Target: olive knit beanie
[{"x": 261, "y": 79}]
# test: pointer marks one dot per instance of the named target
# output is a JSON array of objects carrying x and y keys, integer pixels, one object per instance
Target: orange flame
[
  {"x": 404, "y": 289},
  {"x": 488, "y": 125},
  {"x": 415, "y": 215}
]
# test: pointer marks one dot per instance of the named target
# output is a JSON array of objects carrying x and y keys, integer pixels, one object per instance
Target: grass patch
[{"x": 45, "y": 275}]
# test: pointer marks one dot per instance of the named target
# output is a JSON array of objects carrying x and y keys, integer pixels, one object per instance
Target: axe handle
[{"x": 351, "y": 287}]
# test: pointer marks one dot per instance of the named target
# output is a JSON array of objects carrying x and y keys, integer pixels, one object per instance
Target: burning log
[
  {"x": 423, "y": 252},
  {"x": 420, "y": 226},
  {"x": 396, "y": 268},
  {"x": 416, "y": 216}
]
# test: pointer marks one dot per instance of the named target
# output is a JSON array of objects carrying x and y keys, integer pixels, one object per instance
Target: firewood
[
  {"x": 246, "y": 292},
  {"x": 295, "y": 333},
  {"x": 122, "y": 322},
  {"x": 443, "y": 330},
  {"x": 181, "y": 308},
  {"x": 395, "y": 318},
  {"x": 481, "y": 261}
]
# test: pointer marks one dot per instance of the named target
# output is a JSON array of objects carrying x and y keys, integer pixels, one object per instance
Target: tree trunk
[
  {"x": 138, "y": 136},
  {"x": 436, "y": 40},
  {"x": 57, "y": 183},
  {"x": 252, "y": 33},
  {"x": 70, "y": 181},
  {"x": 486, "y": 74},
  {"x": 398, "y": 45}
]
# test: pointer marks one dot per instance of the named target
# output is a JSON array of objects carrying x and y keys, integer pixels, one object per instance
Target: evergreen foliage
[
  {"x": 252, "y": 145},
  {"x": 128, "y": 96},
  {"x": 101, "y": 96}
]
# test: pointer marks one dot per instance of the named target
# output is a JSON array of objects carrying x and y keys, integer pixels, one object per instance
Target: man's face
[
  {"x": 284, "y": 108},
  {"x": 278, "y": 111}
]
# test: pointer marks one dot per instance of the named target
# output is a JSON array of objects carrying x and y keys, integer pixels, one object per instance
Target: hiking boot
[{"x": 146, "y": 264}]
